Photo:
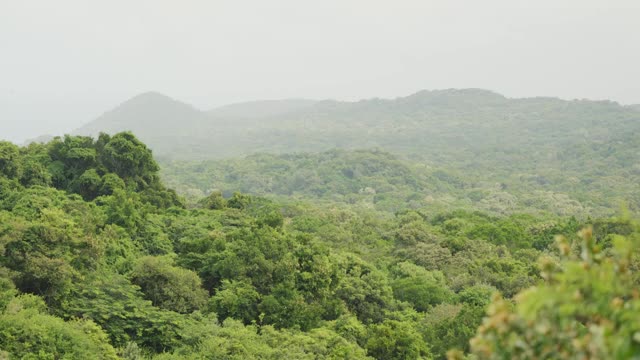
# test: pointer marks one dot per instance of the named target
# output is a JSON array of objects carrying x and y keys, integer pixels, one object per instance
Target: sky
[{"x": 65, "y": 62}]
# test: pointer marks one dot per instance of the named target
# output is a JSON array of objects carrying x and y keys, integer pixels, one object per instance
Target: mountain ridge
[
  {"x": 437, "y": 124},
  {"x": 260, "y": 108}
]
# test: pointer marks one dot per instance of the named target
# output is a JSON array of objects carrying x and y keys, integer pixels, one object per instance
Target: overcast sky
[{"x": 65, "y": 62}]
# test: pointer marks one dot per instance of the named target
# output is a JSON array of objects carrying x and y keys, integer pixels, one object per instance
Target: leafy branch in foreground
[{"x": 588, "y": 307}]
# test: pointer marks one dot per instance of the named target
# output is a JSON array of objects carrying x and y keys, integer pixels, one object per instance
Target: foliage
[
  {"x": 99, "y": 259},
  {"x": 28, "y": 332},
  {"x": 587, "y": 308},
  {"x": 167, "y": 286}
]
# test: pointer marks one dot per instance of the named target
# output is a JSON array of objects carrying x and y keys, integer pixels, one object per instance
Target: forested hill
[
  {"x": 587, "y": 180},
  {"x": 261, "y": 109},
  {"x": 157, "y": 119},
  {"x": 444, "y": 125}
]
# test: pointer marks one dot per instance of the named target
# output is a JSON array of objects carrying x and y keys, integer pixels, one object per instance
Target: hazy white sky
[{"x": 64, "y": 62}]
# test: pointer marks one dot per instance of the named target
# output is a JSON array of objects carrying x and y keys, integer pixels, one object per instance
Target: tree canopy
[{"x": 101, "y": 260}]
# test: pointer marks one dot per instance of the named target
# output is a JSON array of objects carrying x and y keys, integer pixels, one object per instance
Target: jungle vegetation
[{"x": 342, "y": 254}]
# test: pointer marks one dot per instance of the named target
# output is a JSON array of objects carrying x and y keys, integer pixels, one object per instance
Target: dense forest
[
  {"x": 310, "y": 256},
  {"x": 590, "y": 182}
]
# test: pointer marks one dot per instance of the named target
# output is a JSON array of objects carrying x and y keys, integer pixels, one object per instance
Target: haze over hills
[
  {"x": 327, "y": 207},
  {"x": 440, "y": 124},
  {"x": 156, "y": 117},
  {"x": 563, "y": 156},
  {"x": 261, "y": 108}
]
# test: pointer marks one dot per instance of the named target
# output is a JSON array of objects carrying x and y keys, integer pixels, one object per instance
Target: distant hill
[
  {"x": 178, "y": 130},
  {"x": 166, "y": 124},
  {"x": 469, "y": 125},
  {"x": 146, "y": 113},
  {"x": 263, "y": 108}
]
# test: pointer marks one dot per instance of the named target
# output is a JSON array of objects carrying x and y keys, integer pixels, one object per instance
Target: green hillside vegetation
[
  {"x": 468, "y": 148},
  {"x": 101, "y": 260},
  {"x": 373, "y": 179},
  {"x": 261, "y": 108},
  {"x": 591, "y": 180},
  {"x": 466, "y": 126}
]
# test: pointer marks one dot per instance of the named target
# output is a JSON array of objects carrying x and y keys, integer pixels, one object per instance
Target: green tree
[
  {"x": 9, "y": 159},
  {"x": 420, "y": 287},
  {"x": 214, "y": 201},
  {"x": 129, "y": 158},
  {"x": 394, "y": 339},
  {"x": 27, "y": 332},
  {"x": 168, "y": 286},
  {"x": 236, "y": 299},
  {"x": 119, "y": 308}
]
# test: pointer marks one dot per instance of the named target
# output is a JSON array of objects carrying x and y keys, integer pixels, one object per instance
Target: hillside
[
  {"x": 166, "y": 124},
  {"x": 468, "y": 125},
  {"x": 504, "y": 155},
  {"x": 261, "y": 109},
  {"x": 373, "y": 179},
  {"x": 370, "y": 178}
]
